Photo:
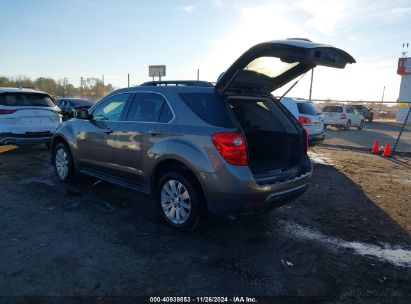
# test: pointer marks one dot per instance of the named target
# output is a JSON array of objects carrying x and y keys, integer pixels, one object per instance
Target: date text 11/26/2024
[{"x": 203, "y": 300}]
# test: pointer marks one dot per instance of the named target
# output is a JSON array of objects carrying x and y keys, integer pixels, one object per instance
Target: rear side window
[
  {"x": 209, "y": 108},
  {"x": 307, "y": 108},
  {"x": 333, "y": 109},
  {"x": 349, "y": 110},
  {"x": 25, "y": 100},
  {"x": 149, "y": 107}
]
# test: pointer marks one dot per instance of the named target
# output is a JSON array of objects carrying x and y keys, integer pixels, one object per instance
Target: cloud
[{"x": 188, "y": 9}]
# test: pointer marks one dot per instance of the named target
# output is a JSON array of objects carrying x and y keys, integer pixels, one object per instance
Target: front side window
[
  {"x": 149, "y": 107},
  {"x": 111, "y": 108}
]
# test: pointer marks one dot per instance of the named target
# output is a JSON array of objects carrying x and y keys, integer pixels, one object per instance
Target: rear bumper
[
  {"x": 316, "y": 138},
  {"x": 227, "y": 193},
  {"x": 26, "y": 138}
]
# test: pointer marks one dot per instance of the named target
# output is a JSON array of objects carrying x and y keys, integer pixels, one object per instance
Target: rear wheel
[
  {"x": 179, "y": 201},
  {"x": 63, "y": 162},
  {"x": 361, "y": 126},
  {"x": 348, "y": 126}
]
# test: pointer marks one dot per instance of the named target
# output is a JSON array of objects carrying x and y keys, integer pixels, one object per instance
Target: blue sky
[{"x": 90, "y": 37}]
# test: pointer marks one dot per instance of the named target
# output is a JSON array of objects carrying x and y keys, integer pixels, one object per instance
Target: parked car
[
  {"x": 308, "y": 116},
  {"x": 365, "y": 111},
  {"x": 27, "y": 116},
  {"x": 69, "y": 105},
  {"x": 199, "y": 148},
  {"x": 342, "y": 117}
]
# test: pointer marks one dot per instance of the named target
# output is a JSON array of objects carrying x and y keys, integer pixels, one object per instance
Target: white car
[
  {"x": 343, "y": 116},
  {"x": 27, "y": 116},
  {"x": 309, "y": 117}
]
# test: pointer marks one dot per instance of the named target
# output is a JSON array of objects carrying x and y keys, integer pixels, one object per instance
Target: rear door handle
[
  {"x": 109, "y": 131},
  {"x": 154, "y": 132}
]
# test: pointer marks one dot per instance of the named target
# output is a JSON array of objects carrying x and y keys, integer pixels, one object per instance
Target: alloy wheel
[
  {"x": 61, "y": 162},
  {"x": 175, "y": 201}
]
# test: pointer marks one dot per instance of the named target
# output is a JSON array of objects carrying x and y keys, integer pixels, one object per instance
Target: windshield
[
  {"x": 269, "y": 66},
  {"x": 25, "y": 100},
  {"x": 333, "y": 109},
  {"x": 81, "y": 103}
]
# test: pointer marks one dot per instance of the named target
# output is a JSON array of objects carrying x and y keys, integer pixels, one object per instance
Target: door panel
[
  {"x": 143, "y": 136},
  {"x": 96, "y": 139},
  {"x": 95, "y": 144}
]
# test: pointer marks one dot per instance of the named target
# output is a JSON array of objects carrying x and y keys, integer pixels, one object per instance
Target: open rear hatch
[
  {"x": 257, "y": 68},
  {"x": 275, "y": 139}
]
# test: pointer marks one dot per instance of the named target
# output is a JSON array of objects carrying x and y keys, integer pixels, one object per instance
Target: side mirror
[{"x": 82, "y": 114}]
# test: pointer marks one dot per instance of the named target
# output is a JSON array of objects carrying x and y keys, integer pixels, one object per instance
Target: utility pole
[
  {"x": 198, "y": 74},
  {"x": 128, "y": 80},
  {"x": 82, "y": 86},
  {"x": 311, "y": 84},
  {"x": 103, "y": 79},
  {"x": 382, "y": 98}
]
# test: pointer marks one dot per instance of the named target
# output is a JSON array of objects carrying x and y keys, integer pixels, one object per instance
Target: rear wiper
[{"x": 290, "y": 88}]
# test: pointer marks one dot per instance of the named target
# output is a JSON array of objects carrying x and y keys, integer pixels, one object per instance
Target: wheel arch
[{"x": 174, "y": 165}]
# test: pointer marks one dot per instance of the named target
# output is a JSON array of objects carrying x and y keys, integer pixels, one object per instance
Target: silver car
[
  {"x": 199, "y": 148},
  {"x": 308, "y": 116}
]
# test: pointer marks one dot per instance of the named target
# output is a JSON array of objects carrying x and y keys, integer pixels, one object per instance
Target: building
[{"x": 404, "y": 99}]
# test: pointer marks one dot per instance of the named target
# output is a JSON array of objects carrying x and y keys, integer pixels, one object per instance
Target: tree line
[{"x": 90, "y": 88}]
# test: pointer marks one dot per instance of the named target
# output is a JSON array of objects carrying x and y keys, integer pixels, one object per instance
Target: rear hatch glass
[
  {"x": 25, "y": 100},
  {"x": 333, "y": 109},
  {"x": 307, "y": 108},
  {"x": 209, "y": 107}
]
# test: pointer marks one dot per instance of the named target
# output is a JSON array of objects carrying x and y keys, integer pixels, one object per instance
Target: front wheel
[
  {"x": 63, "y": 162},
  {"x": 179, "y": 201}
]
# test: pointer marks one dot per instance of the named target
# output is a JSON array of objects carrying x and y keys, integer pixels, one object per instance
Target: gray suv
[{"x": 200, "y": 148}]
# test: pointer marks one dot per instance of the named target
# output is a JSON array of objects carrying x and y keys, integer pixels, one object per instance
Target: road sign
[{"x": 156, "y": 70}]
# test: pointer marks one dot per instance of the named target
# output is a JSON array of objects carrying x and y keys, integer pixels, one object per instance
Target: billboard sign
[{"x": 156, "y": 70}]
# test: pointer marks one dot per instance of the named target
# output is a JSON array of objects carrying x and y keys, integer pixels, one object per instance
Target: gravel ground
[{"x": 346, "y": 240}]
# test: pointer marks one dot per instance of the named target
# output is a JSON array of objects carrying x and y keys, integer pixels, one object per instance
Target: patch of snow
[
  {"x": 387, "y": 252},
  {"x": 319, "y": 158}
]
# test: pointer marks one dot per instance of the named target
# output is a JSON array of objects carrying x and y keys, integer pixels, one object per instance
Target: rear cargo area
[{"x": 272, "y": 139}]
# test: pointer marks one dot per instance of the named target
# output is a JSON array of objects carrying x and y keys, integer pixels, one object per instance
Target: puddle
[{"x": 387, "y": 252}]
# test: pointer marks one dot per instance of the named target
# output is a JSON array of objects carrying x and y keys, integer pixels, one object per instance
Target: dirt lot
[{"x": 347, "y": 239}]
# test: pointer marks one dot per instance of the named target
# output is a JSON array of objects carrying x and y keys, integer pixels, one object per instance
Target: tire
[
  {"x": 348, "y": 126},
  {"x": 176, "y": 192},
  {"x": 62, "y": 159},
  {"x": 361, "y": 126}
]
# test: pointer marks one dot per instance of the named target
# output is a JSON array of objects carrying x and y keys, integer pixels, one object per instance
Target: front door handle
[
  {"x": 154, "y": 132},
  {"x": 109, "y": 131}
]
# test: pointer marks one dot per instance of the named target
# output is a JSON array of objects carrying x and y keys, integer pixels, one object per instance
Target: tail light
[
  {"x": 343, "y": 116},
  {"x": 305, "y": 121},
  {"x": 5, "y": 111},
  {"x": 306, "y": 140},
  {"x": 232, "y": 147}
]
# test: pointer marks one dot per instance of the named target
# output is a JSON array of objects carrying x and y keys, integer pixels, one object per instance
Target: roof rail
[{"x": 188, "y": 83}]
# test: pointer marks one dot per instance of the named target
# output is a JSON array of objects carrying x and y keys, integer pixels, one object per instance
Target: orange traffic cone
[
  {"x": 387, "y": 150},
  {"x": 375, "y": 148}
]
